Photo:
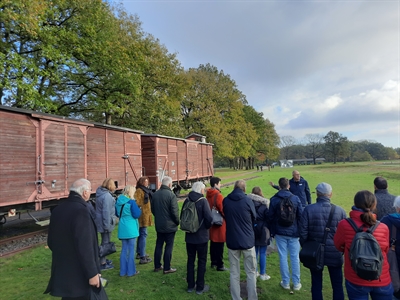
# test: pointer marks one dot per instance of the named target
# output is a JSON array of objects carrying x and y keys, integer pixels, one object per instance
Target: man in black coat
[{"x": 73, "y": 241}]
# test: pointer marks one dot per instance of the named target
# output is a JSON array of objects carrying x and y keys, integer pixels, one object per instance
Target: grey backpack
[{"x": 365, "y": 253}]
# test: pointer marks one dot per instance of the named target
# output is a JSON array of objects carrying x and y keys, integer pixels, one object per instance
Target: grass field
[{"x": 25, "y": 276}]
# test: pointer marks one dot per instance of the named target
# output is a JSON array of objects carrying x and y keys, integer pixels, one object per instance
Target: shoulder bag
[
  {"x": 392, "y": 260},
  {"x": 312, "y": 252},
  {"x": 217, "y": 218}
]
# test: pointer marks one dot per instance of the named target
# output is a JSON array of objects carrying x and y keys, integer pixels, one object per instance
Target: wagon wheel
[{"x": 3, "y": 220}]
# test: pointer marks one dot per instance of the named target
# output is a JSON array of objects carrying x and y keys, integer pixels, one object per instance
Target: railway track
[{"x": 13, "y": 245}]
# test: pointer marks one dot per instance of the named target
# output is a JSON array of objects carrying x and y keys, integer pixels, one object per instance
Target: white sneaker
[
  {"x": 257, "y": 274},
  {"x": 285, "y": 286},
  {"x": 265, "y": 277},
  {"x": 297, "y": 287}
]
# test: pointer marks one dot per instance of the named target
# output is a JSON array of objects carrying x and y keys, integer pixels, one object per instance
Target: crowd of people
[{"x": 250, "y": 223}]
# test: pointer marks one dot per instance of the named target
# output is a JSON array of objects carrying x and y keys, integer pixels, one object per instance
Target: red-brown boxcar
[
  {"x": 184, "y": 160},
  {"x": 41, "y": 155}
]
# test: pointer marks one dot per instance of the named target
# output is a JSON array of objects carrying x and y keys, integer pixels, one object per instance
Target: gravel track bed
[{"x": 17, "y": 243}]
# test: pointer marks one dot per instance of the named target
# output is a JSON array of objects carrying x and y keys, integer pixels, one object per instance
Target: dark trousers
[
  {"x": 76, "y": 298},
  {"x": 168, "y": 239},
  {"x": 201, "y": 250},
  {"x": 336, "y": 275},
  {"x": 217, "y": 254}
]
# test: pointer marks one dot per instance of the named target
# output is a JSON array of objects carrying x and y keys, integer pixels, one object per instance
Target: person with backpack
[
  {"x": 366, "y": 269},
  {"x": 197, "y": 241},
  {"x": 284, "y": 213},
  {"x": 261, "y": 231},
  {"x": 392, "y": 221},
  {"x": 312, "y": 228},
  {"x": 240, "y": 216},
  {"x": 164, "y": 207}
]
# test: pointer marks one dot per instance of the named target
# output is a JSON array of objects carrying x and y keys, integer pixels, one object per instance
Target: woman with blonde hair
[
  {"x": 105, "y": 216},
  {"x": 128, "y": 230},
  {"x": 361, "y": 214}
]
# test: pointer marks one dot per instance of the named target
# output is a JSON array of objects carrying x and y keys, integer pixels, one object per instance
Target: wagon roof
[
  {"x": 65, "y": 119},
  {"x": 174, "y": 138}
]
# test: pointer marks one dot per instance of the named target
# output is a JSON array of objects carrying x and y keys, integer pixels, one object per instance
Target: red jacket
[
  {"x": 217, "y": 233},
  {"x": 343, "y": 238}
]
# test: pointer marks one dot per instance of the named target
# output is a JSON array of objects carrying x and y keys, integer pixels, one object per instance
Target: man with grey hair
[
  {"x": 197, "y": 242},
  {"x": 240, "y": 215},
  {"x": 164, "y": 207},
  {"x": 312, "y": 228},
  {"x": 73, "y": 241}
]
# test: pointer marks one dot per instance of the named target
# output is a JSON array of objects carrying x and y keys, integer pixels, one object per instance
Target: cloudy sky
[{"x": 309, "y": 66}]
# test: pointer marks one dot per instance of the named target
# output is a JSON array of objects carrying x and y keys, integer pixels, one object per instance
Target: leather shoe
[
  {"x": 158, "y": 269},
  {"x": 170, "y": 271}
]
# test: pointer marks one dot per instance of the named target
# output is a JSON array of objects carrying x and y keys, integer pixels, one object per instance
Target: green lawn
[{"x": 25, "y": 276}]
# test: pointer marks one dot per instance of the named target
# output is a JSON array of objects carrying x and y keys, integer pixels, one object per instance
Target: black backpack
[
  {"x": 258, "y": 225},
  {"x": 365, "y": 253},
  {"x": 286, "y": 212}
]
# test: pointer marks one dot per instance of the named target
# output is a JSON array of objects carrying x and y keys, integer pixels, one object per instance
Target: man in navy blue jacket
[
  {"x": 298, "y": 187},
  {"x": 312, "y": 228},
  {"x": 286, "y": 235},
  {"x": 240, "y": 215}
]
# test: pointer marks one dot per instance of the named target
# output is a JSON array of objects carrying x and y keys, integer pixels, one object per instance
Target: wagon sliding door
[{"x": 62, "y": 157}]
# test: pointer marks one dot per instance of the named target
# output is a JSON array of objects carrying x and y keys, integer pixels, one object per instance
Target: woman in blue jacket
[{"x": 128, "y": 229}]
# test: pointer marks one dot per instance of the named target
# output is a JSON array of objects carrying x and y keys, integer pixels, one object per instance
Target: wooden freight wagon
[
  {"x": 184, "y": 160},
  {"x": 41, "y": 155}
]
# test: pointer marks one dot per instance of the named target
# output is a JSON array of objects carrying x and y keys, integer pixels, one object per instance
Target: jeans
[
  {"x": 261, "y": 252},
  {"x": 127, "y": 258},
  {"x": 141, "y": 242},
  {"x": 358, "y": 292},
  {"x": 168, "y": 239},
  {"x": 291, "y": 244},
  {"x": 250, "y": 265},
  {"x": 201, "y": 250},
  {"x": 217, "y": 254},
  {"x": 105, "y": 239},
  {"x": 336, "y": 276}
]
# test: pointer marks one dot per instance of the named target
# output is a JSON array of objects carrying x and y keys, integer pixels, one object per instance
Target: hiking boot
[
  {"x": 109, "y": 262},
  {"x": 205, "y": 290},
  {"x": 190, "y": 290},
  {"x": 265, "y": 277},
  {"x": 172, "y": 270},
  {"x": 297, "y": 287},
  {"x": 158, "y": 269},
  {"x": 145, "y": 260},
  {"x": 284, "y": 286},
  {"x": 137, "y": 256},
  {"x": 106, "y": 267}
]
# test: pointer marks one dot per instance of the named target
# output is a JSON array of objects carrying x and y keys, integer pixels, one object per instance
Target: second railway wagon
[{"x": 184, "y": 160}]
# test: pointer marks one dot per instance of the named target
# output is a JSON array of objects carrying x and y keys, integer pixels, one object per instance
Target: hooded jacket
[
  {"x": 105, "y": 210},
  {"x": 274, "y": 207},
  {"x": 239, "y": 215},
  {"x": 217, "y": 233},
  {"x": 261, "y": 205},
  {"x": 205, "y": 219},
  {"x": 312, "y": 228},
  {"x": 164, "y": 207},
  {"x": 300, "y": 189},
  {"x": 128, "y": 227},
  {"x": 343, "y": 239}
]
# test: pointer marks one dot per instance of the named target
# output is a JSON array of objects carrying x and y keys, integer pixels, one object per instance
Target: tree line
[
  {"x": 90, "y": 59},
  {"x": 334, "y": 147}
]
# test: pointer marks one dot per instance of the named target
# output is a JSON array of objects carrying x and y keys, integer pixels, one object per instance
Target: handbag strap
[
  {"x": 120, "y": 212},
  {"x": 393, "y": 237},
  {"x": 328, "y": 224}
]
